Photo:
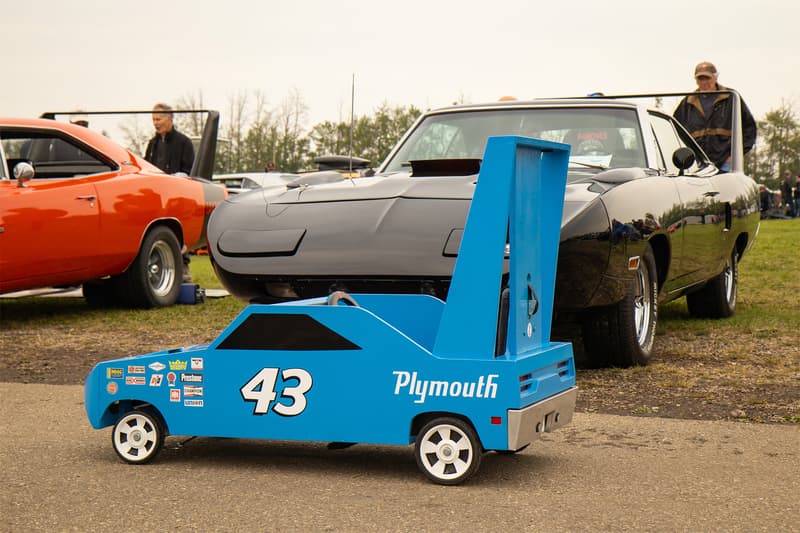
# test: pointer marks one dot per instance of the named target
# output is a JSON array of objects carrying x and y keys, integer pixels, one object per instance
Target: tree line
[
  {"x": 253, "y": 134},
  {"x": 777, "y": 148}
]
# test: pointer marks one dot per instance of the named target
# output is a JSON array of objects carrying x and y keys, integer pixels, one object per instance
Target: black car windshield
[{"x": 600, "y": 137}]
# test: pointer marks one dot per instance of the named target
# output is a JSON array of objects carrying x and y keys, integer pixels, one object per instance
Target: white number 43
[{"x": 261, "y": 390}]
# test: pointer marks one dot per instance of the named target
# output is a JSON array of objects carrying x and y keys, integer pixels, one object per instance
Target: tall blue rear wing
[{"x": 524, "y": 179}]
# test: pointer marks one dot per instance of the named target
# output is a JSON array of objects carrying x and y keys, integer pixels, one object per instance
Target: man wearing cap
[{"x": 708, "y": 117}]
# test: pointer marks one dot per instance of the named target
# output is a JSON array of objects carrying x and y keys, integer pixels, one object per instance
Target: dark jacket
[
  {"x": 179, "y": 156},
  {"x": 713, "y": 132}
]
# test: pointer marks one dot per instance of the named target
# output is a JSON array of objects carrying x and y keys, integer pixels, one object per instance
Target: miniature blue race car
[{"x": 477, "y": 373}]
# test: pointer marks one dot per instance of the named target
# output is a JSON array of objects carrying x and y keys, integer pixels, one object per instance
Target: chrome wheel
[
  {"x": 643, "y": 305},
  {"x": 717, "y": 299},
  {"x": 729, "y": 280},
  {"x": 161, "y": 269}
]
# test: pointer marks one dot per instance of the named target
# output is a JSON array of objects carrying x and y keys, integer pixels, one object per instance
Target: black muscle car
[{"x": 647, "y": 218}]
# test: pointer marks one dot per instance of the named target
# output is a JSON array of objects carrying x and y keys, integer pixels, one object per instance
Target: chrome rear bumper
[{"x": 526, "y": 425}]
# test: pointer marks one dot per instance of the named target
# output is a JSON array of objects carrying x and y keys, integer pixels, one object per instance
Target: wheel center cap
[
  {"x": 447, "y": 451},
  {"x": 136, "y": 436}
]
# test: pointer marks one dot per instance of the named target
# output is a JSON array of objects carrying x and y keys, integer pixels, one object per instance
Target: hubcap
[
  {"x": 135, "y": 437},
  {"x": 446, "y": 451},
  {"x": 729, "y": 276},
  {"x": 161, "y": 268},
  {"x": 642, "y": 305}
]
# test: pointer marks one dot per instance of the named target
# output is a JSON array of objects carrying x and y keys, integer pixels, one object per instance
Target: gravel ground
[{"x": 709, "y": 377}]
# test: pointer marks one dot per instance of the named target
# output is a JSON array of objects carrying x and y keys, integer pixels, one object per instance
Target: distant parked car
[
  {"x": 349, "y": 167},
  {"x": 77, "y": 208},
  {"x": 330, "y": 168},
  {"x": 647, "y": 218},
  {"x": 237, "y": 182}
]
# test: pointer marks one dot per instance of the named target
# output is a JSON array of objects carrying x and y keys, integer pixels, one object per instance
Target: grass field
[{"x": 746, "y": 367}]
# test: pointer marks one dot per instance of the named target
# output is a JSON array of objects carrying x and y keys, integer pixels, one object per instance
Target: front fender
[{"x": 583, "y": 257}]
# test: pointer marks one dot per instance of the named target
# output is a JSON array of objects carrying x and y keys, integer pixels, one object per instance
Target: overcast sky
[{"x": 111, "y": 54}]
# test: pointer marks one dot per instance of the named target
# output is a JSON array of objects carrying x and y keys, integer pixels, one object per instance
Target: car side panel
[
  {"x": 50, "y": 232},
  {"x": 130, "y": 204},
  {"x": 68, "y": 231}
]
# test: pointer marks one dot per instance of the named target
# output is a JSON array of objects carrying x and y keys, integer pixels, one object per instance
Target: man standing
[
  {"x": 172, "y": 152},
  {"x": 169, "y": 150},
  {"x": 787, "y": 194},
  {"x": 708, "y": 117}
]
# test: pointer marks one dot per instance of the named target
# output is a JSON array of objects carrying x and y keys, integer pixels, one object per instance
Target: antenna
[{"x": 352, "y": 119}]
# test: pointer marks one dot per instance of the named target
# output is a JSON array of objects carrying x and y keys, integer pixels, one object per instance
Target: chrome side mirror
[{"x": 23, "y": 172}]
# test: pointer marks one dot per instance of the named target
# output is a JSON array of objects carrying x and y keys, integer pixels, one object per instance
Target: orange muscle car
[{"x": 78, "y": 209}]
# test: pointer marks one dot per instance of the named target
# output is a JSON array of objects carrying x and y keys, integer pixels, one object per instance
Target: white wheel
[
  {"x": 448, "y": 451},
  {"x": 137, "y": 437}
]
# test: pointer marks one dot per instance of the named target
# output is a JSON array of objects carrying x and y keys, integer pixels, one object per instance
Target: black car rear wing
[{"x": 203, "y": 165}]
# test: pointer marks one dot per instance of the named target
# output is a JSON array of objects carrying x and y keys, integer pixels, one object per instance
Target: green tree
[
  {"x": 778, "y": 146},
  {"x": 373, "y": 136}
]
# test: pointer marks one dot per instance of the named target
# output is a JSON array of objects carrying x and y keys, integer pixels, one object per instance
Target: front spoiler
[{"x": 526, "y": 425}]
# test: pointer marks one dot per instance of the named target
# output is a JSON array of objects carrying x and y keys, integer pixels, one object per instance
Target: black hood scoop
[{"x": 428, "y": 168}]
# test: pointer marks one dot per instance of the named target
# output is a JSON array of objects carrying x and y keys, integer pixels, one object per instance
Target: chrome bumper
[{"x": 526, "y": 425}]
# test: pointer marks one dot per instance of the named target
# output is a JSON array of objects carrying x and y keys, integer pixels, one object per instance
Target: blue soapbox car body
[{"x": 474, "y": 374}]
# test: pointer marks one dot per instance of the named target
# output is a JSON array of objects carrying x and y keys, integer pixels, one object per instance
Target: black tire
[
  {"x": 717, "y": 299},
  {"x": 154, "y": 278},
  {"x": 511, "y": 452},
  {"x": 137, "y": 437},
  {"x": 99, "y": 293},
  {"x": 622, "y": 334},
  {"x": 448, "y": 451}
]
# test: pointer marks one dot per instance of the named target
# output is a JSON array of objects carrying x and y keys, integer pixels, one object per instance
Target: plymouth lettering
[{"x": 484, "y": 387}]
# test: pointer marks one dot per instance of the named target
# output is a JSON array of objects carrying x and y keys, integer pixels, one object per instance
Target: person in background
[
  {"x": 172, "y": 152},
  {"x": 169, "y": 149},
  {"x": 79, "y": 119},
  {"x": 708, "y": 117},
  {"x": 765, "y": 198},
  {"x": 787, "y": 194},
  {"x": 797, "y": 196}
]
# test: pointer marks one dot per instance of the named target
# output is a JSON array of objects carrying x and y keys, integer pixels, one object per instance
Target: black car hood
[
  {"x": 401, "y": 185},
  {"x": 378, "y": 187}
]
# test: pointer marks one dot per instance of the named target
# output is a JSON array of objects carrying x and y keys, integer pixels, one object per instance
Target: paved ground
[{"x": 604, "y": 472}]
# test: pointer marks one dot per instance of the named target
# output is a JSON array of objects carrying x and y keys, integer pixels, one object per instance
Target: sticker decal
[
  {"x": 192, "y": 390},
  {"x": 135, "y": 369},
  {"x": 193, "y": 403},
  {"x": 115, "y": 373},
  {"x": 157, "y": 366},
  {"x": 175, "y": 395},
  {"x": 197, "y": 363},
  {"x": 134, "y": 380},
  {"x": 191, "y": 378},
  {"x": 171, "y": 377},
  {"x": 177, "y": 365},
  {"x": 156, "y": 380},
  {"x": 112, "y": 387}
]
